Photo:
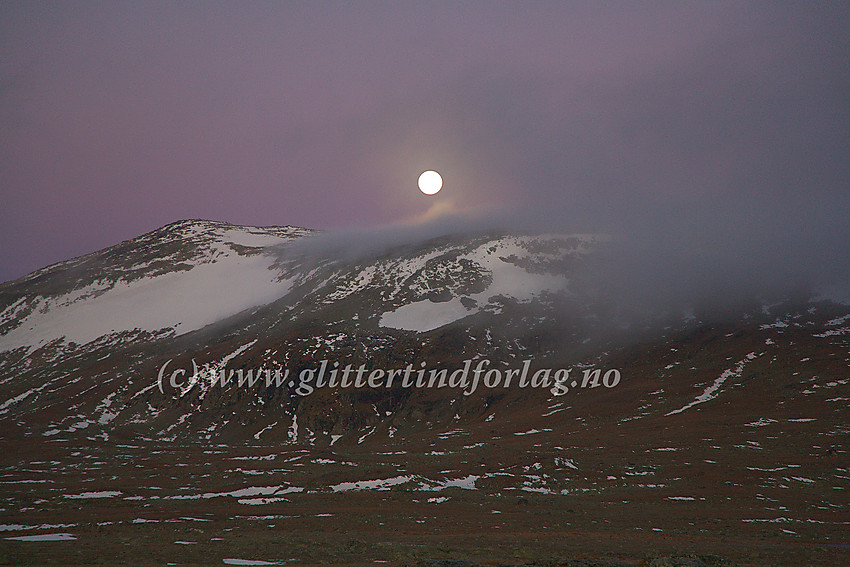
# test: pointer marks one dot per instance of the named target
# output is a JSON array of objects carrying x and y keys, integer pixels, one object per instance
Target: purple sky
[{"x": 693, "y": 118}]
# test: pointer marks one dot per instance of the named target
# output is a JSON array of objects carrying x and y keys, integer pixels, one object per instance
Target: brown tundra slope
[{"x": 677, "y": 438}]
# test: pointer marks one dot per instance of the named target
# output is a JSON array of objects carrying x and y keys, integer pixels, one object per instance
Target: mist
[
  {"x": 721, "y": 171},
  {"x": 712, "y": 140}
]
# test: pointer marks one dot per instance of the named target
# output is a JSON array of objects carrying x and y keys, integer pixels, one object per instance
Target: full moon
[{"x": 430, "y": 182}]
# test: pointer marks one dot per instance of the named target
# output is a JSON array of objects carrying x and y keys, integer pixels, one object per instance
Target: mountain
[
  {"x": 259, "y": 298},
  {"x": 181, "y": 379}
]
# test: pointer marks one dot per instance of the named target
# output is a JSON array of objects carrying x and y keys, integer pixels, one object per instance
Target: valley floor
[{"x": 563, "y": 497}]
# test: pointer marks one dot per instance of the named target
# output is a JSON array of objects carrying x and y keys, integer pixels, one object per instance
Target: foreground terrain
[{"x": 756, "y": 474}]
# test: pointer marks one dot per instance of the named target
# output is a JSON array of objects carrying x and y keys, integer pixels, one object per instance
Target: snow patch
[
  {"x": 710, "y": 392},
  {"x": 424, "y": 315},
  {"x": 44, "y": 537}
]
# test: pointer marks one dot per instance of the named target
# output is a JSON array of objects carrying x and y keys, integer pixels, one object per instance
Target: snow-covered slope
[{"x": 209, "y": 272}]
